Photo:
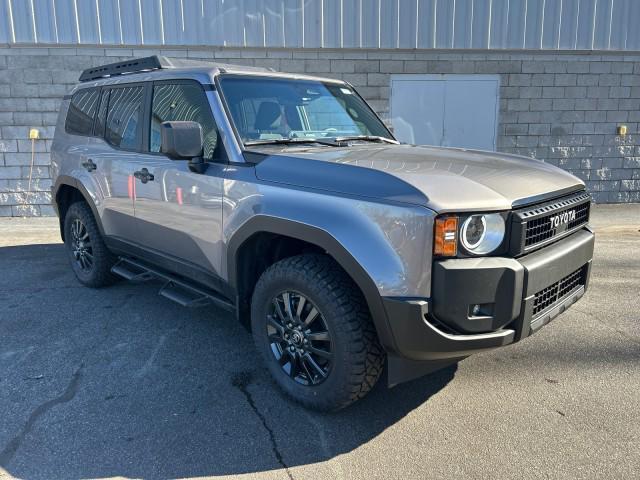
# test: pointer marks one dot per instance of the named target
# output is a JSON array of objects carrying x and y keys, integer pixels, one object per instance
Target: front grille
[
  {"x": 541, "y": 229},
  {"x": 536, "y": 226},
  {"x": 556, "y": 292}
]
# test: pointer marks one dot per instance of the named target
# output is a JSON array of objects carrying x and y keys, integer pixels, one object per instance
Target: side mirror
[{"x": 181, "y": 140}]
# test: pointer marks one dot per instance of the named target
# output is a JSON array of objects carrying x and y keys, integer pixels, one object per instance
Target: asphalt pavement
[{"x": 120, "y": 382}]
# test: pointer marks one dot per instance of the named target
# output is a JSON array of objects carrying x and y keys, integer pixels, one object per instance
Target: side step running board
[{"x": 175, "y": 288}]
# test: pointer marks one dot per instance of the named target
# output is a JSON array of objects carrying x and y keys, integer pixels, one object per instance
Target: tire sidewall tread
[
  {"x": 358, "y": 356},
  {"x": 100, "y": 274}
]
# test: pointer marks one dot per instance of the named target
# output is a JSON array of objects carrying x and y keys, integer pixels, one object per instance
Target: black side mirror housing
[{"x": 183, "y": 141}]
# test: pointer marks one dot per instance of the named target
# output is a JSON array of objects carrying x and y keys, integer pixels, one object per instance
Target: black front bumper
[{"x": 521, "y": 295}]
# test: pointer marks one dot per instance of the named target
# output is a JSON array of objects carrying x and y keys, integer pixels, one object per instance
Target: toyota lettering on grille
[{"x": 562, "y": 219}]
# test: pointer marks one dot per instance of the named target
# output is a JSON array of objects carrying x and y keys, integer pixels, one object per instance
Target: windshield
[{"x": 273, "y": 109}]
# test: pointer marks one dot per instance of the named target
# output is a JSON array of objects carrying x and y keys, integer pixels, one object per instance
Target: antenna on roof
[{"x": 122, "y": 68}]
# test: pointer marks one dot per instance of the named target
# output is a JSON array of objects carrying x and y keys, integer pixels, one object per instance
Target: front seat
[{"x": 268, "y": 114}]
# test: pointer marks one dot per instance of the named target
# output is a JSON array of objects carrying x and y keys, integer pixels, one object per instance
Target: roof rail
[{"x": 122, "y": 68}]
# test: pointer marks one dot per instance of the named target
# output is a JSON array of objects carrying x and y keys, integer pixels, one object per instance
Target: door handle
[
  {"x": 143, "y": 175},
  {"x": 89, "y": 165}
]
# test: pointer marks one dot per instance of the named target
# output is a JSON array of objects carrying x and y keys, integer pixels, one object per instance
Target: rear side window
[
  {"x": 82, "y": 111},
  {"x": 123, "y": 126},
  {"x": 182, "y": 102}
]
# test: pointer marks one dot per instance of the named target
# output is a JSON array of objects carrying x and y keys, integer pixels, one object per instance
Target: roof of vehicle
[{"x": 165, "y": 68}]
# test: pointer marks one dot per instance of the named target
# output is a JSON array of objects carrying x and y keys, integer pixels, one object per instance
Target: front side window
[
  {"x": 82, "y": 111},
  {"x": 276, "y": 108},
  {"x": 123, "y": 127},
  {"x": 182, "y": 102}
]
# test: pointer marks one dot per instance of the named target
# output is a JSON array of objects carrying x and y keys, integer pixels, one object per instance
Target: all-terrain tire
[
  {"x": 358, "y": 359},
  {"x": 98, "y": 273}
]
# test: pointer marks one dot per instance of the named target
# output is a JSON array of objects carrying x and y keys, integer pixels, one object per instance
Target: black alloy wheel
[
  {"x": 299, "y": 337},
  {"x": 81, "y": 245},
  {"x": 90, "y": 258}
]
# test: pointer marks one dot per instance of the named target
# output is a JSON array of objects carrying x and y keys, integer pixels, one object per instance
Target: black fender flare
[
  {"x": 66, "y": 180},
  {"x": 321, "y": 238}
]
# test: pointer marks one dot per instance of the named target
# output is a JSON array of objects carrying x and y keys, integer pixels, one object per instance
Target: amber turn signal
[{"x": 446, "y": 237}]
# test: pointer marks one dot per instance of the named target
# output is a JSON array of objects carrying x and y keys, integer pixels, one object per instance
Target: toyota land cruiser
[{"x": 284, "y": 199}]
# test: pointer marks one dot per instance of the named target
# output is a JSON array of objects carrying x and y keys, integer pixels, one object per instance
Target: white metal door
[{"x": 445, "y": 110}]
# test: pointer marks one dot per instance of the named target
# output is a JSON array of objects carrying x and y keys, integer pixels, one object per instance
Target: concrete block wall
[{"x": 560, "y": 107}]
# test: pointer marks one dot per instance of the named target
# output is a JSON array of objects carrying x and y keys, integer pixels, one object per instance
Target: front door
[{"x": 179, "y": 212}]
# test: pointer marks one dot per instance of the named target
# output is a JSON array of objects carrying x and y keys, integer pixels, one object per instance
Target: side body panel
[
  {"x": 391, "y": 242},
  {"x": 179, "y": 212},
  {"x": 114, "y": 169}
]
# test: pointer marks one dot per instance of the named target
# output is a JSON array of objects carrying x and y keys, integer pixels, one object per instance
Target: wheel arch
[
  {"x": 305, "y": 236},
  {"x": 69, "y": 190}
]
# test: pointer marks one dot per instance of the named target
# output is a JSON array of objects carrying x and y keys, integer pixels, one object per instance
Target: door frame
[{"x": 399, "y": 77}]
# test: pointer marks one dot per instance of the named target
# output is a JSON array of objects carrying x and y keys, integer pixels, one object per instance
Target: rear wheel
[
  {"x": 313, "y": 328},
  {"x": 90, "y": 259}
]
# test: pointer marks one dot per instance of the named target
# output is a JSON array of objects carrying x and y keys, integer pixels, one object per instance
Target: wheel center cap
[{"x": 296, "y": 338}]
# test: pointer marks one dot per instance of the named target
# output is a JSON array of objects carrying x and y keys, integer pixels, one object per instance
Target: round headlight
[{"x": 481, "y": 234}]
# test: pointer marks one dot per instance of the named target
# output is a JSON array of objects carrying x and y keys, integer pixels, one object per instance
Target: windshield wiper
[
  {"x": 292, "y": 141},
  {"x": 368, "y": 138}
]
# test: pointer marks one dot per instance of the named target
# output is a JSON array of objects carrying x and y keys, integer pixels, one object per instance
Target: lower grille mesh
[{"x": 557, "y": 291}]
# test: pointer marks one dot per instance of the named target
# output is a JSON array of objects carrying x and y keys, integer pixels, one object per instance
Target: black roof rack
[{"x": 121, "y": 68}]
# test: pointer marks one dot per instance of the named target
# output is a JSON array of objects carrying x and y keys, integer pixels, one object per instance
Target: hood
[{"x": 443, "y": 179}]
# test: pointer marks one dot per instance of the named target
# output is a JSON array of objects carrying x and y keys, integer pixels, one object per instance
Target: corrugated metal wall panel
[
  {"x": 533, "y": 23},
  {"x": 332, "y": 24},
  {"x": 351, "y": 19},
  {"x": 253, "y": 23},
  {"x": 481, "y": 24},
  {"x": 88, "y": 25},
  {"x": 23, "y": 22},
  {"x": 619, "y": 22},
  {"x": 152, "y": 22},
  {"x": 602, "y": 29},
  {"x": 585, "y": 24},
  {"x": 5, "y": 22},
  {"x": 569, "y": 16},
  {"x": 45, "y": 19},
  {"x": 426, "y": 23},
  {"x": 516, "y": 24},
  {"x": 460, "y": 24},
  {"x": 293, "y": 23},
  {"x": 213, "y": 23},
  {"x": 109, "y": 13},
  {"x": 463, "y": 11},
  {"x": 407, "y": 23},
  {"x": 66, "y": 22},
  {"x": 499, "y": 20},
  {"x": 445, "y": 14},
  {"x": 370, "y": 24},
  {"x": 130, "y": 21},
  {"x": 389, "y": 23},
  {"x": 633, "y": 32}
]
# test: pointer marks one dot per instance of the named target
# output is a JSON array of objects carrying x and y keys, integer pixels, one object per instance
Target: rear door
[
  {"x": 76, "y": 148},
  {"x": 179, "y": 212},
  {"x": 117, "y": 142}
]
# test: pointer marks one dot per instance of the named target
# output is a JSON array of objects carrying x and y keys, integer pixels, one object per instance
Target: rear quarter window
[{"x": 82, "y": 111}]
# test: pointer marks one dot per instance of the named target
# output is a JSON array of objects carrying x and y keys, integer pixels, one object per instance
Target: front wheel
[
  {"x": 90, "y": 259},
  {"x": 312, "y": 326}
]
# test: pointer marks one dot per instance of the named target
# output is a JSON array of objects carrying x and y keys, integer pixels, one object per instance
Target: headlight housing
[
  {"x": 482, "y": 234},
  {"x": 469, "y": 235}
]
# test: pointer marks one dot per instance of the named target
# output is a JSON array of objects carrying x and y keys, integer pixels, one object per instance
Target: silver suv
[{"x": 285, "y": 199}]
